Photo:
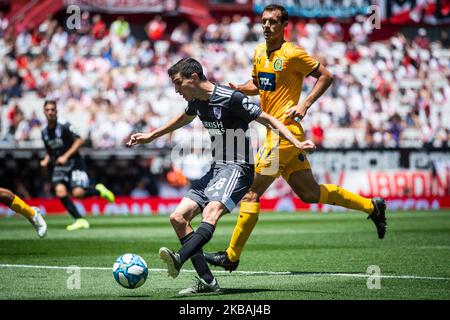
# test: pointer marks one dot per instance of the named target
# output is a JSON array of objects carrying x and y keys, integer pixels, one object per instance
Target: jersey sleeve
[
  {"x": 243, "y": 107},
  {"x": 190, "y": 109},
  {"x": 71, "y": 131},
  {"x": 302, "y": 62}
]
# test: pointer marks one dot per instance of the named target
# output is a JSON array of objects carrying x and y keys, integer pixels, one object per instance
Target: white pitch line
[{"x": 275, "y": 273}]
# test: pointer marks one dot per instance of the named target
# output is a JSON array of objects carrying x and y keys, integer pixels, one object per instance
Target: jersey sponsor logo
[
  {"x": 278, "y": 64},
  {"x": 55, "y": 143},
  {"x": 217, "y": 112},
  {"x": 213, "y": 124},
  {"x": 266, "y": 81},
  {"x": 216, "y": 132},
  {"x": 214, "y": 127}
]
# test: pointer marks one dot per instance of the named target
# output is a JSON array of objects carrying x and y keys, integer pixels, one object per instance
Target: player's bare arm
[
  {"x": 250, "y": 88},
  {"x": 324, "y": 80},
  {"x": 76, "y": 145},
  {"x": 177, "y": 122},
  {"x": 272, "y": 123}
]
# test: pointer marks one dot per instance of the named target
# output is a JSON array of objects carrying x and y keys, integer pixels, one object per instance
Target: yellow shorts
[{"x": 280, "y": 157}]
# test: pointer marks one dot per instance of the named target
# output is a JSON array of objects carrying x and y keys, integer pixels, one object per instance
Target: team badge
[
  {"x": 278, "y": 64},
  {"x": 217, "y": 112}
]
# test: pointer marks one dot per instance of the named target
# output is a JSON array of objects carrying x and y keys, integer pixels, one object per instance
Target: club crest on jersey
[
  {"x": 217, "y": 112},
  {"x": 278, "y": 64}
]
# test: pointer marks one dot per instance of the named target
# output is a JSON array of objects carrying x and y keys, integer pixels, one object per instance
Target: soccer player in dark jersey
[
  {"x": 33, "y": 214},
  {"x": 225, "y": 113},
  {"x": 67, "y": 166}
]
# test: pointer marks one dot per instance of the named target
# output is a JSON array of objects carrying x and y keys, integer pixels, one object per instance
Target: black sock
[
  {"x": 198, "y": 239},
  {"x": 199, "y": 262},
  {"x": 70, "y": 206},
  {"x": 90, "y": 191}
]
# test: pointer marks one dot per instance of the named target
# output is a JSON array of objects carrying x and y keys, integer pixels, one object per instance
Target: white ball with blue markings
[{"x": 130, "y": 271}]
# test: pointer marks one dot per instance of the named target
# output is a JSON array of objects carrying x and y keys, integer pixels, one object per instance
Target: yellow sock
[
  {"x": 19, "y": 206},
  {"x": 248, "y": 216},
  {"x": 336, "y": 195}
]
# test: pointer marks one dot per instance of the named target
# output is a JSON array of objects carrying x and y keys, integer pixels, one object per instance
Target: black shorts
[
  {"x": 223, "y": 183},
  {"x": 70, "y": 175}
]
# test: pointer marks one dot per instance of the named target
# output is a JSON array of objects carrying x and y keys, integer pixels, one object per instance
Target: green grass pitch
[{"x": 289, "y": 256}]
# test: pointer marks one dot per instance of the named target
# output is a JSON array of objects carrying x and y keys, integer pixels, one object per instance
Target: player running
[
  {"x": 67, "y": 166},
  {"x": 225, "y": 113},
  {"x": 33, "y": 214},
  {"x": 279, "y": 68}
]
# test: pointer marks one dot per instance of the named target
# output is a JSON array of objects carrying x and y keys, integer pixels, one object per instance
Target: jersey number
[{"x": 218, "y": 184}]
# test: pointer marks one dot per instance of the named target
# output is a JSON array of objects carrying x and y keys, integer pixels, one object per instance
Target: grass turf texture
[{"x": 326, "y": 256}]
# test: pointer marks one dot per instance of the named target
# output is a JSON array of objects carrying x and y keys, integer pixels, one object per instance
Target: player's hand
[
  {"x": 139, "y": 138},
  {"x": 297, "y": 112},
  {"x": 307, "y": 146},
  {"x": 233, "y": 86},
  {"x": 44, "y": 162},
  {"x": 62, "y": 160}
]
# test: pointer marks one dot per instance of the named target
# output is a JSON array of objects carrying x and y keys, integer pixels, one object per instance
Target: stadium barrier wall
[{"x": 403, "y": 190}]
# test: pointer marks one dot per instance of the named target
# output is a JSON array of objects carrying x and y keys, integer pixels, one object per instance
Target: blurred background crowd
[{"x": 110, "y": 81}]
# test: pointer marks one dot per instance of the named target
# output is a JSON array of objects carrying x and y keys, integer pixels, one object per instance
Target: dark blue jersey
[
  {"x": 226, "y": 115},
  {"x": 59, "y": 139}
]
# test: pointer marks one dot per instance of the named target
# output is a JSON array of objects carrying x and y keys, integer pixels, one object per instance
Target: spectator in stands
[
  {"x": 422, "y": 39},
  {"x": 156, "y": 29},
  {"x": 444, "y": 39},
  {"x": 99, "y": 29},
  {"x": 4, "y": 23},
  {"x": 395, "y": 128},
  {"x": 239, "y": 28},
  {"x": 120, "y": 28},
  {"x": 374, "y": 80},
  {"x": 317, "y": 134},
  {"x": 85, "y": 23},
  {"x": 360, "y": 29}
]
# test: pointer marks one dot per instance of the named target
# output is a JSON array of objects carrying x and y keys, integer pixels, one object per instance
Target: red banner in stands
[
  {"x": 403, "y": 189},
  {"x": 154, "y": 206}
]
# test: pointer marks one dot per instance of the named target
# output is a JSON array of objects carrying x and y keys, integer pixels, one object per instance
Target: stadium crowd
[{"x": 110, "y": 83}]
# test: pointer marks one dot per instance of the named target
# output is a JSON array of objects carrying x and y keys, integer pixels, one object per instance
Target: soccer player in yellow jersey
[
  {"x": 31, "y": 213},
  {"x": 279, "y": 68}
]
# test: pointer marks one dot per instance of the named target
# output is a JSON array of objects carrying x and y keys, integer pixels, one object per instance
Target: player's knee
[
  {"x": 212, "y": 212},
  {"x": 309, "y": 197},
  {"x": 6, "y": 195},
  {"x": 178, "y": 220},
  {"x": 250, "y": 196},
  {"x": 61, "y": 191}
]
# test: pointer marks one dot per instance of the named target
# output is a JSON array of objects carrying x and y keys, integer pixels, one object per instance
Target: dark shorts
[
  {"x": 71, "y": 176},
  {"x": 223, "y": 183}
]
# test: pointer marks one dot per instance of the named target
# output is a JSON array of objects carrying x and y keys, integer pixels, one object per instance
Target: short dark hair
[
  {"x": 186, "y": 67},
  {"x": 274, "y": 7},
  {"x": 53, "y": 102}
]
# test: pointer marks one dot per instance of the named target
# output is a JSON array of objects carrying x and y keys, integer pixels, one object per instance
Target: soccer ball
[{"x": 130, "y": 271}]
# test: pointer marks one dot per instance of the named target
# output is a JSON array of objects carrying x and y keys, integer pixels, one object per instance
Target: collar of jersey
[{"x": 270, "y": 52}]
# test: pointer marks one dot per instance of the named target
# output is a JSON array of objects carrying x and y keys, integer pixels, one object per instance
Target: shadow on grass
[{"x": 233, "y": 291}]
